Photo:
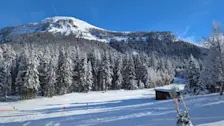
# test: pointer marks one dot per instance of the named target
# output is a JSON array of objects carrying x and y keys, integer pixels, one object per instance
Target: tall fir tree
[
  {"x": 8, "y": 57},
  {"x": 49, "y": 87},
  {"x": 42, "y": 69},
  {"x": 129, "y": 74},
  {"x": 3, "y": 86},
  {"x": 89, "y": 77},
  {"x": 64, "y": 73},
  {"x": 141, "y": 71},
  {"x": 82, "y": 73},
  {"x": 105, "y": 73},
  {"x": 94, "y": 63},
  {"x": 117, "y": 76},
  {"x": 27, "y": 78},
  {"x": 193, "y": 74},
  {"x": 22, "y": 66}
]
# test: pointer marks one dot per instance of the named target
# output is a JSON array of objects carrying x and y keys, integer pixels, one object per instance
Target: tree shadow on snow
[{"x": 131, "y": 112}]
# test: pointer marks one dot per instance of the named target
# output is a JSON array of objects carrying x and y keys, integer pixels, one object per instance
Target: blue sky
[{"x": 188, "y": 19}]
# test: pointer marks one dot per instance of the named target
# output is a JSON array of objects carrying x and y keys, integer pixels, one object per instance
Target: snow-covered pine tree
[
  {"x": 27, "y": 79},
  {"x": 145, "y": 76},
  {"x": 15, "y": 70},
  {"x": 129, "y": 74},
  {"x": 42, "y": 69},
  {"x": 22, "y": 66},
  {"x": 105, "y": 73},
  {"x": 117, "y": 76},
  {"x": 50, "y": 79},
  {"x": 166, "y": 71},
  {"x": 94, "y": 62},
  {"x": 138, "y": 68},
  {"x": 153, "y": 77},
  {"x": 169, "y": 68},
  {"x": 64, "y": 73},
  {"x": 154, "y": 61},
  {"x": 76, "y": 64},
  {"x": 2, "y": 75},
  {"x": 141, "y": 71},
  {"x": 89, "y": 77},
  {"x": 193, "y": 74},
  {"x": 8, "y": 56},
  {"x": 112, "y": 66},
  {"x": 2, "y": 80},
  {"x": 82, "y": 74},
  {"x": 31, "y": 82}
]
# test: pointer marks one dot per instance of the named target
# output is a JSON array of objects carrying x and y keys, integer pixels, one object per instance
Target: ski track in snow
[{"x": 131, "y": 108}]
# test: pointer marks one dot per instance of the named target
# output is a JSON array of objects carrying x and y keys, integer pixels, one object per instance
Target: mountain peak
[
  {"x": 64, "y": 25},
  {"x": 70, "y": 23}
]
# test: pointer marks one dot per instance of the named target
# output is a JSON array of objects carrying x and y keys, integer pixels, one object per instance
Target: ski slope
[{"x": 112, "y": 108}]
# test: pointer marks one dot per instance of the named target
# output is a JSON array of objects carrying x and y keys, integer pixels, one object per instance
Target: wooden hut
[{"x": 163, "y": 94}]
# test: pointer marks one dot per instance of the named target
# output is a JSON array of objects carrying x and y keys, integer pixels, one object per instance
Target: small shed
[{"x": 163, "y": 94}]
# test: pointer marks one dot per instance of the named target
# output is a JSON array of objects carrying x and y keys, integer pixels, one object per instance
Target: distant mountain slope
[
  {"x": 80, "y": 29},
  {"x": 80, "y": 33}
]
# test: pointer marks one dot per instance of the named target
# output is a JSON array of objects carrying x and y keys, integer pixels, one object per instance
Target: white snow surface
[{"x": 111, "y": 108}]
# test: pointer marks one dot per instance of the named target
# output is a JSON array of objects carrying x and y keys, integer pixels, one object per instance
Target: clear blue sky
[{"x": 188, "y": 19}]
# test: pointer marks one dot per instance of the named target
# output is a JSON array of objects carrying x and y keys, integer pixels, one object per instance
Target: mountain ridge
[{"x": 72, "y": 26}]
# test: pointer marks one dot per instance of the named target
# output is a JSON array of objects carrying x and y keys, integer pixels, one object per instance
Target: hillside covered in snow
[
  {"x": 71, "y": 26},
  {"x": 131, "y": 108}
]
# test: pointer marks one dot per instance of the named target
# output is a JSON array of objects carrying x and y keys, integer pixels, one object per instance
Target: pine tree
[
  {"x": 89, "y": 77},
  {"x": 42, "y": 69},
  {"x": 15, "y": 70},
  {"x": 129, "y": 74},
  {"x": 193, "y": 73},
  {"x": 154, "y": 77},
  {"x": 49, "y": 87},
  {"x": 76, "y": 68},
  {"x": 27, "y": 78},
  {"x": 82, "y": 72},
  {"x": 8, "y": 56},
  {"x": 141, "y": 71},
  {"x": 94, "y": 63},
  {"x": 31, "y": 82},
  {"x": 64, "y": 73},
  {"x": 117, "y": 76},
  {"x": 145, "y": 76},
  {"x": 154, "y": 61},
  {"x": 105, "y": 73},
  {"x": 22, "y": 66},
  {"x": 3, "y": 86}
]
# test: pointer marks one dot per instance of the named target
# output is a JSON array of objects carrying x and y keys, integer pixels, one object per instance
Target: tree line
[{"x": 59, "y": 69}]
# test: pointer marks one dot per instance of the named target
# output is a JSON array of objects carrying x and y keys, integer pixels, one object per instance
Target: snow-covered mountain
[{"x": 80, "y": 29}]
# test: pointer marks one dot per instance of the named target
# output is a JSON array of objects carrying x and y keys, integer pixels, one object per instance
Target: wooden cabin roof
[{"x": 165, "y": 90}]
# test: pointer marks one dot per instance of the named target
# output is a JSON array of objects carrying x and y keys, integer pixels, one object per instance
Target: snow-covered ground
[{"x": 112, "y": 108}]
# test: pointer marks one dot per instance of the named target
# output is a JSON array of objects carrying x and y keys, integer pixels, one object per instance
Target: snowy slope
[
  {"x": 120, "y": 108},
  {"x": 219, "y": 123},
  {"x": 80, "y": 29},
  {"x": 63, "y": 25}
]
